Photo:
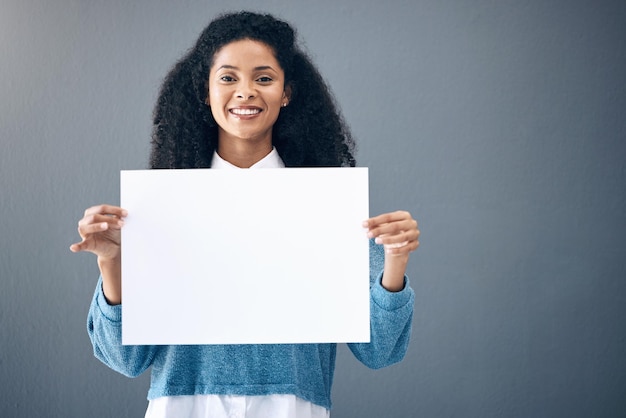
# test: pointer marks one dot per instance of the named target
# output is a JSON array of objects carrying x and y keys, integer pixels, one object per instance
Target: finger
[
  {"x": 77, "y": 247},
  {"x": 108, "y": 210},
  {"x": 98, "y": 223},
  {"x": 386, "y": 218},
  {"x": 393, "y": 228},
  {"x": 89, "y": 229},
  {"x": 402, "y": 237},
  {"x": 112, "y": 221},
  {"x": 86, "y": 244},
  {"x": 396, "y": 245},
  {"x": 405, "y": 249},
  {"x": 96, "y": 243}
]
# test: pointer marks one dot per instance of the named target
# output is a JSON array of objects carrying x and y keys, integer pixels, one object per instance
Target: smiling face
[{"x": 246, "y": 92}]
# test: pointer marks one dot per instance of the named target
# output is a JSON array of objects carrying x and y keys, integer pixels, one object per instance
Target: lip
[{"x": 245, "y": 112}]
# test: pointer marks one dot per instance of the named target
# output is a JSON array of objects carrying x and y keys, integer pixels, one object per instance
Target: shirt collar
[{"x": 271, "y": 160}]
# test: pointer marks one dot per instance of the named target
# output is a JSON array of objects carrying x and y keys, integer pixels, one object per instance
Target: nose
[{"x": 245, "y": 90}]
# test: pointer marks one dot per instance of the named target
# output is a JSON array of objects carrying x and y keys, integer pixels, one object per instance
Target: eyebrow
[{"x": 259, "y": 68}]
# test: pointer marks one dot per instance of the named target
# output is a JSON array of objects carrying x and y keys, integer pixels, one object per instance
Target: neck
[{"x": 243, "y": 155}]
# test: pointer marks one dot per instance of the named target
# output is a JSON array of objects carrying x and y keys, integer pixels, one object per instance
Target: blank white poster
[{"x": 245, "y": 256}]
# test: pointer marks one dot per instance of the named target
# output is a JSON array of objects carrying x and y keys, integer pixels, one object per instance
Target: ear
[{"x": 287, "y": 95}]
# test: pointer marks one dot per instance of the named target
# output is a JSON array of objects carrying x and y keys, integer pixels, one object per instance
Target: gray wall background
[{"x": 500, "y": 125}]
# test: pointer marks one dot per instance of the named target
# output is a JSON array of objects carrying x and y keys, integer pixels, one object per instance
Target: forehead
[{"x": 245, "y": 53}]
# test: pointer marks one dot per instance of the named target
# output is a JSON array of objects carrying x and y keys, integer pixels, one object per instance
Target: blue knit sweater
[{"x": 305, "y": 370}]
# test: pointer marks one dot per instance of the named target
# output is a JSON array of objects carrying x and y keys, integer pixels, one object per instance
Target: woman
[{"x": 247, "y": 97}]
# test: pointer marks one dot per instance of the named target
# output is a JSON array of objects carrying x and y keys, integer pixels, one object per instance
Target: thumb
[{"x": 78, "y": 247}]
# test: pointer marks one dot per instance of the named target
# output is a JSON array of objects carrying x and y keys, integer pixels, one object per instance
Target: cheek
[
  {"x": 215, "y": 114},
  {"x": 215, "y": 94},
  {"x": 215, "y": 102},
  {"x": 211, "y": 99},
  {"x": 277, "y": 98}
]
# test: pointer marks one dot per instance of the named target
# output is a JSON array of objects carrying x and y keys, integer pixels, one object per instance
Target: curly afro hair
[{"x": 310, "y": 132}]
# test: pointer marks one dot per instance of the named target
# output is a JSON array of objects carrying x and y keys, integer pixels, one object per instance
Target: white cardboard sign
[{"x": 245, "y": 256}]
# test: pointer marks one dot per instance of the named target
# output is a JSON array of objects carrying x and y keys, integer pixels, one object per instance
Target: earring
[{"x": 284, "y": 104}]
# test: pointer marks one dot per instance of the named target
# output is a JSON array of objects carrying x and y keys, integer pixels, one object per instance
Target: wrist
[
  {"x": 394, "y": 272},
  {"x": 111, "y": 272},
  {"x": 108, "y": 261}
]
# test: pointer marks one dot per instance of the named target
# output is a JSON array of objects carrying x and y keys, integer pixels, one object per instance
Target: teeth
[{"x": 245, "y": 111}]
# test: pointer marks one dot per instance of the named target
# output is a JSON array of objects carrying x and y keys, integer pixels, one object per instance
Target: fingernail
[{"x": 378, "y": 240}]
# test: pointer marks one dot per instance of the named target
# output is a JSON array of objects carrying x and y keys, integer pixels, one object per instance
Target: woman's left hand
[{"x": 398, "y": 232}]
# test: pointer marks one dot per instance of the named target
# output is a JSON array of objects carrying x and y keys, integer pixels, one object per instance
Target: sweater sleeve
[
  {"x": 391, "y": 314},
  {"x": 104, "y": 325}
]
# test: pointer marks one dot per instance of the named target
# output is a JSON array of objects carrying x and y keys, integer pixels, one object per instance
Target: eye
[
  {"x": 227, "y": 78},
  {"x": 265, "y": 79}
]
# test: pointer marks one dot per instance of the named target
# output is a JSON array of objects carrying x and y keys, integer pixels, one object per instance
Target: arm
[
  {"x": 104, "y": 325},
  {"x": 100, "y": 232},
  {"x": 391, "y": 314},
  {"x": 393, "y": 237}
]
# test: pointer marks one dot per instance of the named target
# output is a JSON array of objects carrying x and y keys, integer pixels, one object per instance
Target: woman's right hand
[{"x": 100, "y": 229}]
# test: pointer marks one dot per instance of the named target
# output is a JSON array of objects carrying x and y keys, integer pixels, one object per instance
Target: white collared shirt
[
  {"x": 271, "y": 160},
  {"x": 236, "y": 406}
]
